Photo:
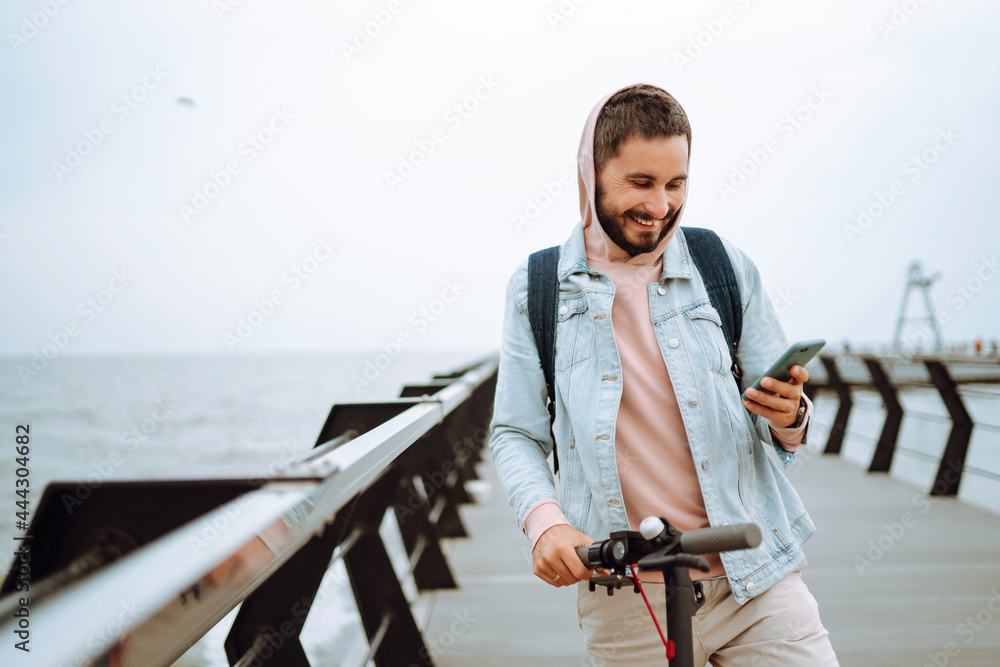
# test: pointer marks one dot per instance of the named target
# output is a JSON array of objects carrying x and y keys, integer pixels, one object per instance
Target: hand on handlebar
[{"x": 555, "y": 559}]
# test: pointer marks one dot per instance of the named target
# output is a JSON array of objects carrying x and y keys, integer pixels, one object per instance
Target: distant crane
[{"x": 928, "y": 324}]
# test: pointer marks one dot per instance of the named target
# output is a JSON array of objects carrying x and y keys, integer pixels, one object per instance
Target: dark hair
[{"x": 637, "y": 111}]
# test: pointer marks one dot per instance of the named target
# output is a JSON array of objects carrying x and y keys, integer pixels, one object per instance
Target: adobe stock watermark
[
  {"x": 631, "y": 622},
  {"x": 371, "y": 29},
  {"x": 967, "y": 630},
  {"x": 546, "y": 195},
  {"x": 704, "y": 39},
  {"x": 88, "y": 310},
  {"x": 420, "y": 320},
  {"x": 213, "y": 528},
  {"x": 786, "y": 126},
  {"x": 225, "y": 7},
  {"x": 914, "y": 167},
  {"x": 454, "y": 116},
  {"x": 776, "y": 654},
  {"x": 32, "y": 24},
  {"x": 103, "y": 469},
  {"x": 439, "y": 645},
  {"x": 562, "y": 12},
  {"x": 106, "y": 637},
  {"x": 334, "y": 581},
  {"x": 249, "y": 149},
  {"x": 804, "y": 455},
  {"x": 445, "y": 475},
  {"x": 783, "y": 300},
  {"x": 898, "y": 17},
  {"x": 891, "y": 536},
  {"x": 264, "y": 308},
  {"x": 635, "y": 620},
  {"x": 288, "y": 454},
  {"x": 139, "y": 433},
  {"x": 121, "y": 108},
  {"x": 966, "y": 290}
]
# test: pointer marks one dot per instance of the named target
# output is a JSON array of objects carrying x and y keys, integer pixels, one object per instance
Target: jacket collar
[{"x": 573, "y": 256}]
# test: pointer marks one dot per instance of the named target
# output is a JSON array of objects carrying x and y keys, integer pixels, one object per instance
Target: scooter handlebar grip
[{"x": 721, "y": 538}]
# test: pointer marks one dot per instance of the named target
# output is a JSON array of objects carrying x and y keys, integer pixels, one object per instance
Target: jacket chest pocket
[
  {"x": 574, "y": 332},
  {"x": 706, "y": 326}
]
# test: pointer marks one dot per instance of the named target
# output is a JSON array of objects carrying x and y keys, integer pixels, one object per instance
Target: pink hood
[{"x": 598, "y": 245}]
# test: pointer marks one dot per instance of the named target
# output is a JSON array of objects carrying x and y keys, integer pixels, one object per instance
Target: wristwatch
[{"x": 800, "y": 415}]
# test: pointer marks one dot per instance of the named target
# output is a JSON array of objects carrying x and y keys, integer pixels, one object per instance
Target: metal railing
[
  {"x": 888, "y": 375},
  {"x": 988, "y": 350},
  {"x": 142, "y": 569}
]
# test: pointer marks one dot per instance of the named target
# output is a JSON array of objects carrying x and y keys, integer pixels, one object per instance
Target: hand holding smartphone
[{"x": 799, "y": 353}]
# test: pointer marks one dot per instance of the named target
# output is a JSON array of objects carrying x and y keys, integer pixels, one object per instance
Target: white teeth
[{"x": 645, "y": 223}]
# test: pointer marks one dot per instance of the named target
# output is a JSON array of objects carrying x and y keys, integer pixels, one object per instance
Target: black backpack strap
[
  {"x": 543, "y": 295},
  {"x": 720, "y": 281}
]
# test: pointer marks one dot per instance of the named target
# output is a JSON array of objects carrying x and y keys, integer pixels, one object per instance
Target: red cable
[{"x": 635, "y": 575}]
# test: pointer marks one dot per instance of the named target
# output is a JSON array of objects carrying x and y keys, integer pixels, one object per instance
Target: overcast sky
[{"x": 168, "y": 169}]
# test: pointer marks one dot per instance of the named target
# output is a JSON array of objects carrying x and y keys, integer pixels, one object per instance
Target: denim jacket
[{"x": 740, "y": 483}]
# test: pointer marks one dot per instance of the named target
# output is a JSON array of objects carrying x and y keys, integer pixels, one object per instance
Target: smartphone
[{"x": 800, "y": 353}]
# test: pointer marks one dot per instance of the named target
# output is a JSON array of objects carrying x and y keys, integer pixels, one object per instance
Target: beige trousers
[{"x": 780, "y": 627}]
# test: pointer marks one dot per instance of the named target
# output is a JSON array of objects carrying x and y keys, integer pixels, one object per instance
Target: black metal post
[
  {"x": 376, "y": 587},
  {"x": 430, "y": 567},
  {"x": 835, "y": 440},
  {"x": 949, "y": 474},
  {"x": 277, "y": 610},
  {"x": 886, "y": 447}
]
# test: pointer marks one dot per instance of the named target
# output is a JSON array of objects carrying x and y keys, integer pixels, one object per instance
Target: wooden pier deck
[{"x": 901, "y": 579}]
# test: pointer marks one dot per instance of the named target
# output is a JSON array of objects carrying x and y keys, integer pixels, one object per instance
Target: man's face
[{"x": 640, "y": 192}]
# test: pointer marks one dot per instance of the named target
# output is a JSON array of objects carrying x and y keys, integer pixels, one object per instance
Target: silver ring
[{"x": 556, "y": 579}]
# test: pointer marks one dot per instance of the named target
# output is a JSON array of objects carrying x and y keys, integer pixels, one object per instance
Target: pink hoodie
[{"x": 655, "y": 465}]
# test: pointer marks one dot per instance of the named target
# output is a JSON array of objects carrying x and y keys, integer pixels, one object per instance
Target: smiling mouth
[{"x": 648, "y": 224}]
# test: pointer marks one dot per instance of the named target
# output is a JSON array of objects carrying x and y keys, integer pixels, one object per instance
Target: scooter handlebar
[
  {"x": 721, "y": 538},
  {"x": 596, "y": 556},
  {"x": 611, "y": 552}
]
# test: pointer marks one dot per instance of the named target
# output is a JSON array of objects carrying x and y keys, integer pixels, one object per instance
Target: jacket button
[
  {"x": 693, "y": 401},
  {"x": 674, "y": 342},
  {"x": 661, "y": 290},
  {"x": 563, "y": 310},
  {"x": 750, "y": 587},
  {"x": 704, "y": 464}
]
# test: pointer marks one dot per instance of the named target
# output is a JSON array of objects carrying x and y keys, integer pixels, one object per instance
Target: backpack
[{"x": 716, "y": 272}]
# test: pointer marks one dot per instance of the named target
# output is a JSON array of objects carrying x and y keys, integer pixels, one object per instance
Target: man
[{"x": 649, "y": 421}]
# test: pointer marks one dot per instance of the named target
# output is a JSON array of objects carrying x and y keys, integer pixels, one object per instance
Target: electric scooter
[{"x": 660, "y": 546}]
